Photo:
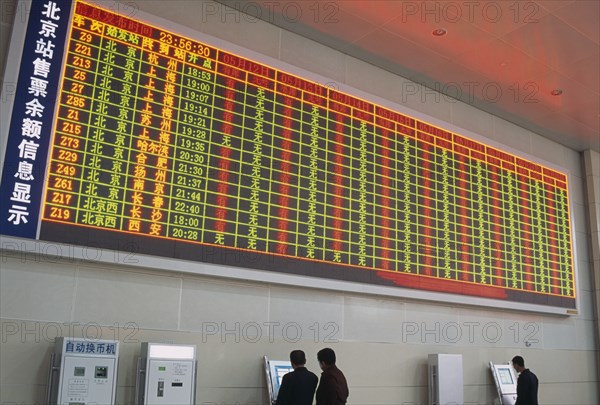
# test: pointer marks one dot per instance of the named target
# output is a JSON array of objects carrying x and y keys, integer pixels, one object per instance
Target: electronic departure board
[{"x": 169, "y": 146}]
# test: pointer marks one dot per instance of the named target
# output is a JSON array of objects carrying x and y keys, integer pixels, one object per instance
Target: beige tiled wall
[{"x": 382, "y": 342}]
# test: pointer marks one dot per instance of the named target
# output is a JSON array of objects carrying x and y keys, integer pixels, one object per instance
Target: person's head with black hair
[
  {"x": 297, "y": 358},
  {"x": 518, "y": 363},
  {"x": 326, "y": 357}
]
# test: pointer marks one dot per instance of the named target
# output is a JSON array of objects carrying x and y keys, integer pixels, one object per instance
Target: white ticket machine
[
  {"x": 166, "y": 374},
  {"x": 506, "y": 382},
  {"x": 83, "y": 372},
  {"x": 445, "y": 379},
  {"x": 274, "y": 372}
]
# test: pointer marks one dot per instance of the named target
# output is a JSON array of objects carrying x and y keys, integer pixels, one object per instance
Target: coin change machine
[
  {"x": 506, "y": 382},
  {"x": 445, "y": 379},
  {"x": 274, "y": 372},
  {"x": 83, "y": 372},
  {"x": 166, "y": 374}
]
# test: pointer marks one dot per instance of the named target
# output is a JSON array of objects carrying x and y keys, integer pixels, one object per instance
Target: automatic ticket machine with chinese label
[
  {"x": 274, "y": 372},
  {"x": 166, "y": 374},
  {"x": 506, "y": 382},
  {"x": 83, "y": 372}
]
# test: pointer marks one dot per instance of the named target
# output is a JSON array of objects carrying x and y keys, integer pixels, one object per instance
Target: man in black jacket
[
  {"x": 297, "y": 387},
  {"x": 333, "y": 388},
  {"x": 527, "y": 383}
]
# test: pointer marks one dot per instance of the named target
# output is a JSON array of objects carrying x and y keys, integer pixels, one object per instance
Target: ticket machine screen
[
  {"x": 505, "y": 376},
  {"x": 280, "y": 371},
  {"x": 275, "y": 370}
]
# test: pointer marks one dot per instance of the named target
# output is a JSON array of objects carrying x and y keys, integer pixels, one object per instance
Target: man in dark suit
[
  {"x": 333, "y": 388},
  {"x": 527, "y": 383},
  {"x": 297, "y": 387}
]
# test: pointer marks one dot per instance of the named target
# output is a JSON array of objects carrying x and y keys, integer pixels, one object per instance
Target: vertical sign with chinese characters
[{"x": 32, "y": 117}]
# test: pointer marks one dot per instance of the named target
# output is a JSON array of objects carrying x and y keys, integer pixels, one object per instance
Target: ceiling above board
[{"x": 533, "y": 63}]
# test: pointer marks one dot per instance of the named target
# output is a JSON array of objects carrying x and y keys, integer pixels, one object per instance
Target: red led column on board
[
  {"x": 224, "y": 162},
  {"x": 464, "y": 230},
  {"x": 553, "y": 242},
  {"x": 284, "y": 178},
  {"x": 496, "y": 228},
  {"x": 428, "y": 248},
  {"x": 384, "y": 183},
  {"x": 338, "y": 188},
  {"x": 526, "y": 234}
]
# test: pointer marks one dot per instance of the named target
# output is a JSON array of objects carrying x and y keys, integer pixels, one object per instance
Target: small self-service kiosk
[
  {"x": 445, "y": 379},
  {"x": 83, "y": 372},
  {"x": 166, "y": 374},
  {"x": 506, "y": 382},
  {"x": 274, "y": 372}
]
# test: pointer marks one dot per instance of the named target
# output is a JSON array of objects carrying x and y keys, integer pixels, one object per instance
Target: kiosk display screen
[
  {"x": 129, "y": 136},
  {"x": 280, "y": 371},
  {"x": 505, "y": 376},
  {"x": 274, "y": 371}
]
